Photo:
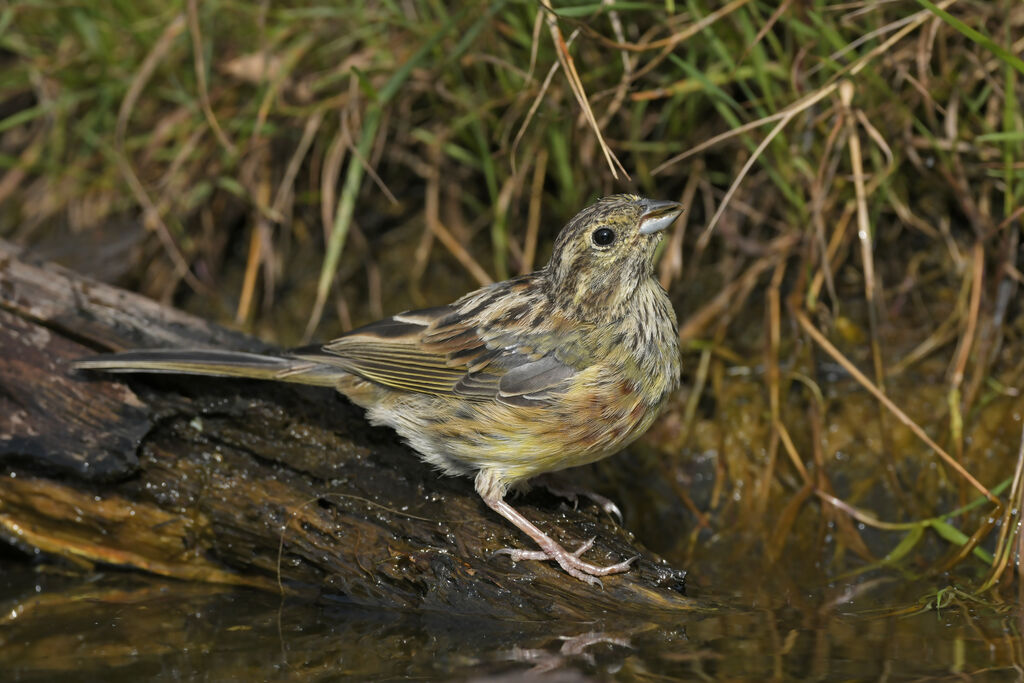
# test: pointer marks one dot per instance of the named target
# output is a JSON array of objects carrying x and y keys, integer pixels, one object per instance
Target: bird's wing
[{"x": 447, "y": 352}]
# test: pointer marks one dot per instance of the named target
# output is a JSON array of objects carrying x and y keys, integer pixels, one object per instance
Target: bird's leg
[{"x": 492, "y": 491}]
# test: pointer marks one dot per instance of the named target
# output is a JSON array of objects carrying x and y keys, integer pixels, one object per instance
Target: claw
[
  {"x": 612, "y": 510},
  {"x": 585, "y": 547}
]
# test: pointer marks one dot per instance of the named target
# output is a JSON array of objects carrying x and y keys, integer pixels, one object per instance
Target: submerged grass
[{"x": 847, "y": 284}]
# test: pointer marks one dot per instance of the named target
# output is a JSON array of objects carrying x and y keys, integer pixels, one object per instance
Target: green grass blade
[
  {"x": 976, "y": 36},
  {"x": 354, "y": 174}
]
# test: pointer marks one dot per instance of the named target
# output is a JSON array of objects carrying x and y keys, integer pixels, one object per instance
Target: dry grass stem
[
  {"x": 861, "y": 379},
  {"x": 143, "y": 75},
  {"x": 200, "y": 68},
  {"x": 576, "y": 85},
  {"x": 533, "y": 216}
]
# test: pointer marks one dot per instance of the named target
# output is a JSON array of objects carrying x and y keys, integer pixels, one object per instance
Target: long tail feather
[{"x": 215, "y": 363}]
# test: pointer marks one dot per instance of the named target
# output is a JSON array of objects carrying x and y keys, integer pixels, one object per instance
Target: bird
[{"x": 545, "y": 371}]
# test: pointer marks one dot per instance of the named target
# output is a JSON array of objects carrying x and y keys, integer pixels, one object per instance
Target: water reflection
[{"x": 120, "y": 627}]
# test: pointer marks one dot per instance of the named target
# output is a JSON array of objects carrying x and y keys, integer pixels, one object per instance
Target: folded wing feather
[{"x": 438, "y": 351}]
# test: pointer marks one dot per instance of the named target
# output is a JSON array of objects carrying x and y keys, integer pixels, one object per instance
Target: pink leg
[{"x": 492, "y": 492}]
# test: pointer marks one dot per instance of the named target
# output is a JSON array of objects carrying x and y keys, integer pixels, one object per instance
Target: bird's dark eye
[{"x": 603, "y": 237}]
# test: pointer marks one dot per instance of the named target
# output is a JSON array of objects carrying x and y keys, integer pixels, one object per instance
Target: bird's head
[{"x": 606, "y": 252}]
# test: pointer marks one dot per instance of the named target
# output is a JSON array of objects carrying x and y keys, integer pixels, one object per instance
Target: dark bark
[{"x": 246, "y": 482}]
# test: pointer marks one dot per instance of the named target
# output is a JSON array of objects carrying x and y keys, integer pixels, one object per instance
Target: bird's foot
[
  {"x": 491, "y": 487},
  {"x": 569, "y": 561},
  {"x": 572, "y": 493}
]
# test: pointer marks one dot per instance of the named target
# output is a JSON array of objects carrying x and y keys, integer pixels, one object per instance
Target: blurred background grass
[{"x": 296, "y": 169}]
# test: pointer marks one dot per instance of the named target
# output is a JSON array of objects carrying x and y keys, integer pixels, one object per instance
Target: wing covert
[{"x": 441, "y": 352}]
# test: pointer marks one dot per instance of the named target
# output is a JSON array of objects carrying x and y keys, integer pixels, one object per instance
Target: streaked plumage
[{"x": 539, "y": 373}]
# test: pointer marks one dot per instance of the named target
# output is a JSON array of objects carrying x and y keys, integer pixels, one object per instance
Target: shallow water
[{"x": 118, "y": 626}]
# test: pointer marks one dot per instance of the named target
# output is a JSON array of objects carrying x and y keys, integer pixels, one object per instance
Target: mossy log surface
[{"x": 255, "y": 483}]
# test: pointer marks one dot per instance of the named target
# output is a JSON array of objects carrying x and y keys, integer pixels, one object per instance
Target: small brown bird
[{"x": 558, "y": 368}]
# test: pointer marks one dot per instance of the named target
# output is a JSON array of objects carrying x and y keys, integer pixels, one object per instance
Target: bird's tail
[{"x": 215, "y": 363}]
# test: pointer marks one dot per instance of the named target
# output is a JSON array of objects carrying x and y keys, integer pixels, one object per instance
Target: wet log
[{"x": 255, "y": 483}]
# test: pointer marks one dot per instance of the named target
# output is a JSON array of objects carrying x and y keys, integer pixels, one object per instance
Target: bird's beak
[{"x": 658, "y": 215}]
